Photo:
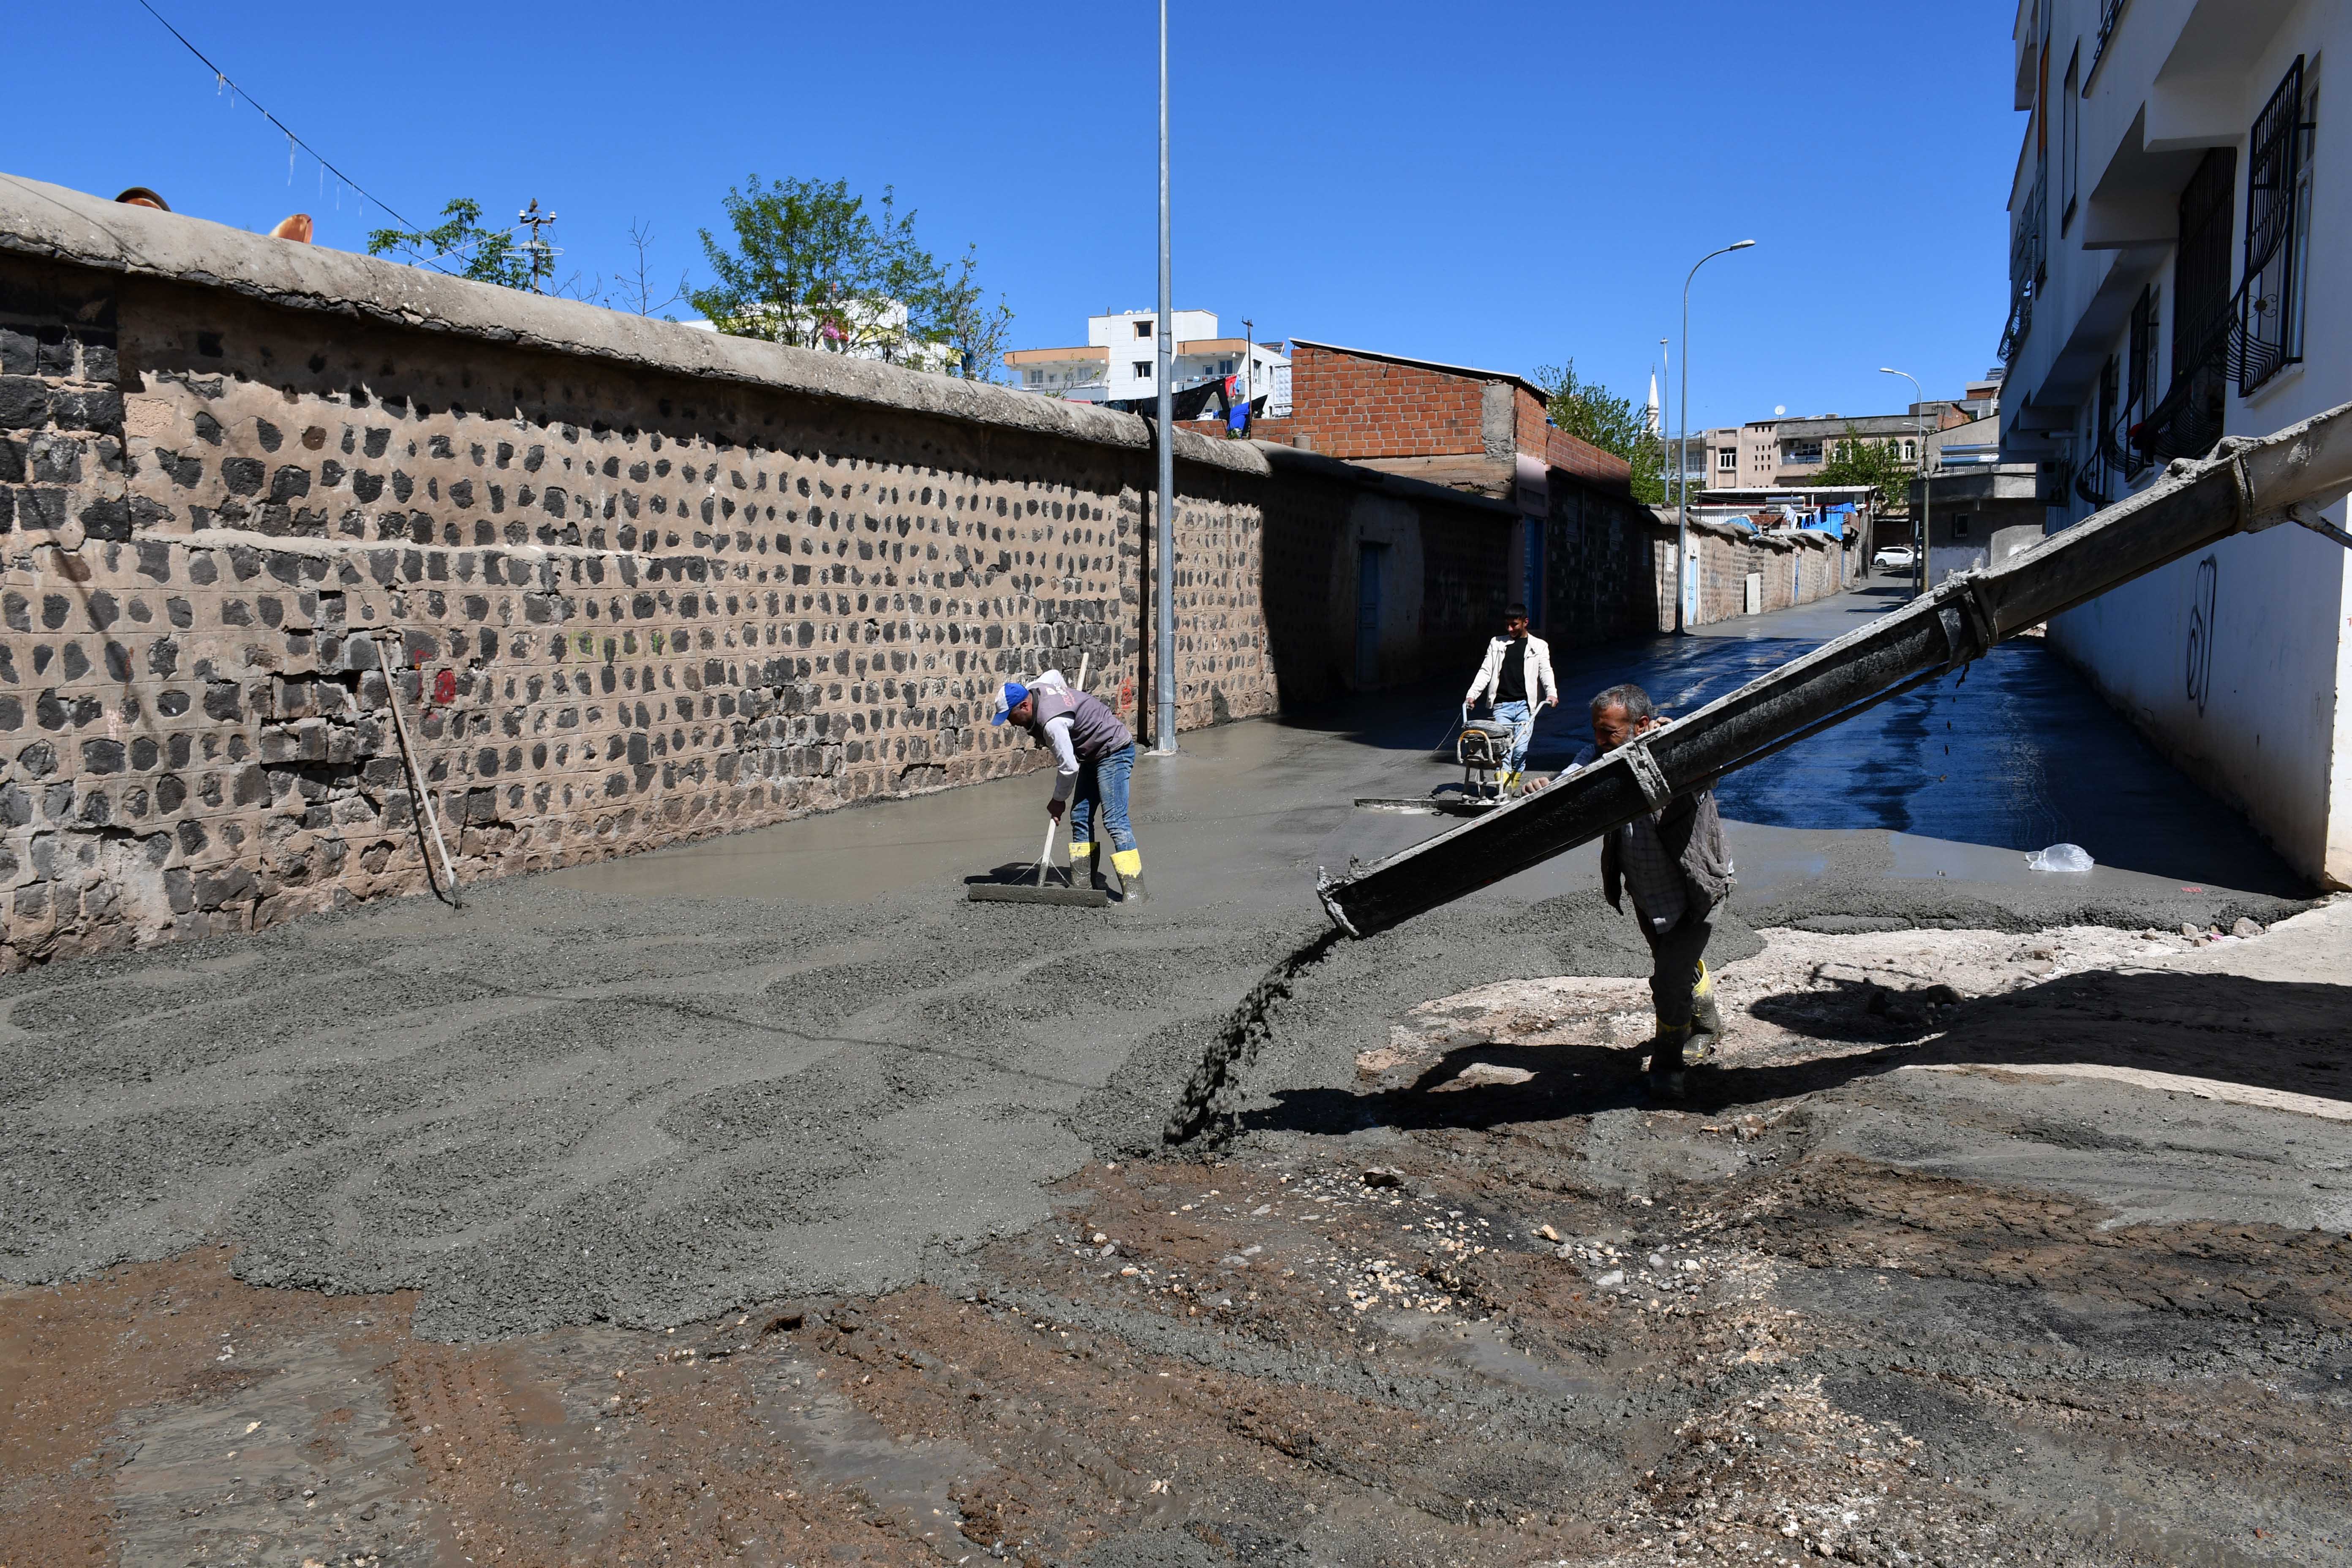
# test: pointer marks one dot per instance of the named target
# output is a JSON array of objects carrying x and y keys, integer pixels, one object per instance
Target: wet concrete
[{"x": 796, "y": 1060}]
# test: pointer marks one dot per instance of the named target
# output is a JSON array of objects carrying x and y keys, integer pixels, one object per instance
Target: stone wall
[
  {"x": 630, "y": 583},
  {"x": 1599, "y": 581},
  {"x": 1795, "y": 567}
]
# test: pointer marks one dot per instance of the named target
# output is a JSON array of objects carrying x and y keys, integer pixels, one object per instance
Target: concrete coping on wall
[
  {"x": 52, "y": 223},
  {"x": 1784, "y": 539}
]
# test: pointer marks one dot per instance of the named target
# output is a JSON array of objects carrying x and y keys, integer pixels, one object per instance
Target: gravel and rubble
[{"x": 1481, "y": 1305}]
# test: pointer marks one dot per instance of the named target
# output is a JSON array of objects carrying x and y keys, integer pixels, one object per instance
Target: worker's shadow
[{"x": 2279, "y": 1035}]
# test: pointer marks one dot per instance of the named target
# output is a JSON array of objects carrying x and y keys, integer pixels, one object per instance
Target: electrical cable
[{"x": 292, "y": 140}]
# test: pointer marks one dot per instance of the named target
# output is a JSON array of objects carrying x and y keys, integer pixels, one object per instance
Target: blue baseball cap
[{"x": 1013, "y": 695}]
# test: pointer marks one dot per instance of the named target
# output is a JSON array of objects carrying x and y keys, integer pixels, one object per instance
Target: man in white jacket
[{"x": 1516, "y": 677}]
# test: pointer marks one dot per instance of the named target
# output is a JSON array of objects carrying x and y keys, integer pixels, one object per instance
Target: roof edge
[{"x": 1541, "y": 394}]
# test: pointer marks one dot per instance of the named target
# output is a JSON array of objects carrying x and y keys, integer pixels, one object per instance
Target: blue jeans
[
  {"x": 1104, "y": 782},
  {"x": 1521, "y": 718}
]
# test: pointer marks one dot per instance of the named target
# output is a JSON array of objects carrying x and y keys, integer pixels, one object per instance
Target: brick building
[{"x": 1581, "y": 547}]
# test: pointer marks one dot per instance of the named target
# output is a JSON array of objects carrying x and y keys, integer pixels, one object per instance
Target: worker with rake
[
  {"x": 1516, "y": 677},
  {"x": 1094, "y": 758}
]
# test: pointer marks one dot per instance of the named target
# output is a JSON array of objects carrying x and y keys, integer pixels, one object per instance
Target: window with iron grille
[
  {"x": 2276, "y": 234},
  {"x": 2110, "y": 13},
  {"x": 2070, "y": 140},
  {"x": 2103, "y": 451},
  {"x": 2140, "y": 369}
]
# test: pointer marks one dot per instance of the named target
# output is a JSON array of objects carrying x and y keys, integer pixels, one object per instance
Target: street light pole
[
  {"x": 1666, "y": 456},
  {"x": 1249, "y": 360},
  {"x": 1164, "y": 676},
  {"x": 1682, "y": 487},
  {"x": 1927, "y": 502}
]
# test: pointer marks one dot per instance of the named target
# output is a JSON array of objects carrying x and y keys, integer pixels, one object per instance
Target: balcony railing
[
  {"x": 2110, "y": 13},
  {"x": 2250, "y": 338},
  {"x": 2029, "y": 268}
]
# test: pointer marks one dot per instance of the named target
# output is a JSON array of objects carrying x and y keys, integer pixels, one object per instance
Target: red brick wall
[{"x": 1353, "y": 407}]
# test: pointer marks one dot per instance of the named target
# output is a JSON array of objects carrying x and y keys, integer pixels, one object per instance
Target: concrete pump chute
[{"x": 2244, "y": 487}]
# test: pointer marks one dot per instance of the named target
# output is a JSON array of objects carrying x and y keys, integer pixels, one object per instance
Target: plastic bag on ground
[{"x": 2060, "y": 857}]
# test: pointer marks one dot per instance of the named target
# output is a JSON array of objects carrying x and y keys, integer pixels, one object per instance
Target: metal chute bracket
[
  {"x": 1647, "y": 774},
  {"x": 2304, "y": 511}
]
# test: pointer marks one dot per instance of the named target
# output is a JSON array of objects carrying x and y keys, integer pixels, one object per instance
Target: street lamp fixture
[
  {"x": 1919, "y": 566},
  {"x": 1682, "y": 518}
]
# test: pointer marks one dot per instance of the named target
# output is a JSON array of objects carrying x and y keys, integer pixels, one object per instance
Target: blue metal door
[{"x": 1369, "y": 558}]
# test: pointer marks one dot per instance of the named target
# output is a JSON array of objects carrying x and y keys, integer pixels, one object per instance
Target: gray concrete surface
[{"x": 796, "y": 1059}]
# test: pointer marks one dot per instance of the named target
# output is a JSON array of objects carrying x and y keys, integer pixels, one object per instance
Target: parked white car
[{"x": 1895, "y": 558}]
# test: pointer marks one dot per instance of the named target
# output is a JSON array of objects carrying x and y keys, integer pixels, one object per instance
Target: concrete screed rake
[{"x": 2244, "y": 487}]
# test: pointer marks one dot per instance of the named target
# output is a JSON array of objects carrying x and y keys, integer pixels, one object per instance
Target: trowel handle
[
  {"x": 1084, "y": 660},
  {"x": 1046, "y": 856}
]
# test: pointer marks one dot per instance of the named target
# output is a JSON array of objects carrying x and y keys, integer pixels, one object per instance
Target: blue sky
[{"x": 1497, "y": 183}]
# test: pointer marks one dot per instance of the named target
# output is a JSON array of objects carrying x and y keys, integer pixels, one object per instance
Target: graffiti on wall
[{"x": 2200, "y": 631}]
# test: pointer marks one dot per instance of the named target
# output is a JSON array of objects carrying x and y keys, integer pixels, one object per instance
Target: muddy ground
[{"x": 1980, "y": 1247}]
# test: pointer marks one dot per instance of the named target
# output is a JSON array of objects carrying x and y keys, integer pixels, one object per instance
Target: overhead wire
[
  {"x": 292, "y": 140},
  {"x": 326, "y": 168}
]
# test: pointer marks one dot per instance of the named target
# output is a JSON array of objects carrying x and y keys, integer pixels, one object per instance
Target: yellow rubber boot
[
  {"x": 1128, "y": 863},
  {"x": 1083, "y": 871},
  {"x": 1707, "y": 1015}
]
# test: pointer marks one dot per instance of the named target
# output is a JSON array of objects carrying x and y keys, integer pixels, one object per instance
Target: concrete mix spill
[
  {"x": 567, "y": 1106},
  {"x": 892, "y": 1167}
]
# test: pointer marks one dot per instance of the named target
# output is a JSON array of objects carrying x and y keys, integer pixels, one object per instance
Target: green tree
[
  {"x": 813, "y": 267},
  {"x": 977, "y": 332},
  {"x": 1591, "y": 412},
  {"x": 486, "y": 255},
  {"x": 1855, "y": 460}
]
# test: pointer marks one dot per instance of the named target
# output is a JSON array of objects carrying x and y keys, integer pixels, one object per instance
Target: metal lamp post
[
  {"x": 1682, "y": 517},
  {"x": 1164, "y": 676},
  {"x": 1926, "y": 505},
  {"x": 1249, "y": 360},
  {"x": 1665, "y": 447}
]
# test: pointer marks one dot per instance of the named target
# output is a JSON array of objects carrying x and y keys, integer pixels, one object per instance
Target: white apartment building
[
  {"x": 1119, "y": 360},
  {"x": 2179, "y": 157}
]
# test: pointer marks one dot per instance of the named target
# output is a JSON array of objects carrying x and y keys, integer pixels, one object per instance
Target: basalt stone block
[
  {"x": 24, "y": 401},
  {"x": 96, "y": 410},
  {"x": 224, "y": 885},
  {"x": 40, "y": 509}
]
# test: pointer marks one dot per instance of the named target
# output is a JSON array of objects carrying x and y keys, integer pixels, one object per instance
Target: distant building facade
[
  {"x": 2178, "y": 162},
  {"x": 1119, "y": 360}
]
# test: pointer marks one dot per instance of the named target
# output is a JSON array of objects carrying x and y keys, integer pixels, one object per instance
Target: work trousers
[
  {"x": 1102, "y": 782},
  {"x": 1521, "y": 718},
  {"x": 1674, "y": 958}
]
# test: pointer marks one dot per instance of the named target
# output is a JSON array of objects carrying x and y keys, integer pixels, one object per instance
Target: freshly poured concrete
[{"x": 797, "y": 1059}]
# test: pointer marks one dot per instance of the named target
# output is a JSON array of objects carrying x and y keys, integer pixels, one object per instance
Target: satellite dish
[{"x": 1779, "y": 409}]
